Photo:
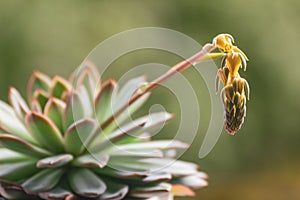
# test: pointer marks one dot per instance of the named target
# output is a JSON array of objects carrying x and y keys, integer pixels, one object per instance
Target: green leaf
[
  {"x": 79, "y": 135},
  {"x": 122, "y": 97},
  {"x": 40, "y": 99},
  {"x": 86, "y": 101},
  {"x": 157, "y": 177},
  {"x": 10, "y": 123},
  {"x": 56, "y": 193},
  {"x": 54, "y": 110},
  {"x": 103, "y": 106},
  {"x": 126, "y": 133},
  {"x": 45, "y": 131},
  {"x": 38, "y": 80},
  {"x": 92, "y": 160},
  {"x": 127, "y": 114},
  {"x": 9, "y": 156},
  {"x": 10, "y": 190},
  {"x": 175, "y": 167},
  {"x": 54, "y": 161},
  {"x": 148, "y": 192},
  {"x": 17, "y": 144},
  {"x": 86, "y": 183},
  {"x": 153, "y": 123},
  {"x": 60, "y": 85},
  {"x": 89, "y": 77},
  {"x": 17, "y": 171},
  {"x": 43, "y": 181},
  {"x": 193, "y": 181},
  {"x": 118, "y": 153},
  {"x": 114, "y": 191},
  {"x": 160, "y": 144},
  {"x": 18, "y": 103},
  {"x": 74, "y": 110}
]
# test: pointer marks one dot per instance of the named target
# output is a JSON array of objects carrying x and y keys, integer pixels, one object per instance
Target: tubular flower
[
  {"x": 54, "y": 146},
  {"x": 236, "y": 89}
]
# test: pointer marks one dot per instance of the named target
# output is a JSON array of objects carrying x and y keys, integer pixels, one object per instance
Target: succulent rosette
[{"x": 63, "y": 143}]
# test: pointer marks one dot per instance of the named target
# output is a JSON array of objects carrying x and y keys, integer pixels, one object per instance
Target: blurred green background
[{"x": 263, "y": 160}]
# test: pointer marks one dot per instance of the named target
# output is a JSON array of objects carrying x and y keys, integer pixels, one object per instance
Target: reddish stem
[{"x": 175, "y": 69}]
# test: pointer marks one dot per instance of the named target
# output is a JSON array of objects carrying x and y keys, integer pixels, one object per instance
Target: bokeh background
[{"x": 263, "y": 160}]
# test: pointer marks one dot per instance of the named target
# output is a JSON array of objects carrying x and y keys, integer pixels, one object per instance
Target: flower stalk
[{"x": 203, "y": 54}]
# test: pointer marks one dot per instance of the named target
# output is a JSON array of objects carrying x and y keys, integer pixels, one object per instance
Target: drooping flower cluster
[
  {"x": 54, "y": 145},
  {"x": 236, "y": 89}
]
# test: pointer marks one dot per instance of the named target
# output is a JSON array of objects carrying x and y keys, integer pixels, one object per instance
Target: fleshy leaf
[
  {"x": 79, "y": 135},
  {"x": 18, "y": 103},
  {"x": 130, "y": 131},
  {"x": 121, "y": 153},
  {"x": 195, "y": 181},
  {"x": 161, "y": 144},
  {"x": 38, "y": 80},
  {"x": 60, "y": 85},
  {"x": 9, "y": 156},
  {"x": 41, "y": 97},
  {"x": 55, "y": 194},
  {"x": 114, "y": 191},
  {"x": 54, "y": 110},
  {"x": 89, "y": 78},
  {"x": 122, "y": 97},
  {"x": 92, "y": 160},
  {"x": 17, "y": 171},
  {"x": 54, "y": 161},
  {"x": 43, "y": 181},
  {"x": 153, "y": 123},
  {"x": 86, "y": 183},
  {"x": 10, "y": 190},
  {"x": 182, "y": 191},
  {"x": 103, "y": 101},
  {"x": 147, "y": 192},
  {"x": 154, "y": 177},
  {"x": 86, "y": 101},
  {"x": 45, "y": 131},
  {"x": 17, "y": 144},
  {"x": 10, "y": 123},
  {"x": 74, "y": 110}
]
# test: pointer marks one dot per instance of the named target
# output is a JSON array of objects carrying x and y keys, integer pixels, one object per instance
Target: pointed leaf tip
[
  {"x": 55, "y": 161},
  {"x": 79, "y": 135},
  {"x": 45, "y": 131}
]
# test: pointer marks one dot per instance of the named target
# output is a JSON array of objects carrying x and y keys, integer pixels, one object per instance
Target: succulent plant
[
  {"x": 75, "y": 139},
  {"x": 63, "y": 143}
]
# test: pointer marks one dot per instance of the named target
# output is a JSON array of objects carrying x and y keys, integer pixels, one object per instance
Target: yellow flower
[
  {"x": 236, "y": 89},
  {"x": 223, "y": 42}
]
